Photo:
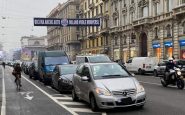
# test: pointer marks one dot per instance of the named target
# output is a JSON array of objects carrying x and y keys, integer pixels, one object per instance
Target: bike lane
[{"x": 29, "y": 100}]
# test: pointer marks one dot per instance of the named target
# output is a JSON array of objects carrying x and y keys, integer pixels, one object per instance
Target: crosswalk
[{"x": 78, "y": 107}]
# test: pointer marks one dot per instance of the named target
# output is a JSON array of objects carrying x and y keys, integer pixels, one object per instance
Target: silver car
[{"x": 107, "y": 85}]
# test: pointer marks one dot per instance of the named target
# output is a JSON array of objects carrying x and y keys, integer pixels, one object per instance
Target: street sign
[{"x": 66, "y": 22}]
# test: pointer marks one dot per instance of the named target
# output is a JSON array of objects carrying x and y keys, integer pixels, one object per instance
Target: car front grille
[{"x": 128, "y": 92}]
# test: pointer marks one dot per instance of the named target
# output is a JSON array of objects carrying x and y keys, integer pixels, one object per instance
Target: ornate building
[
  {"x": 95, "y": 40},
  {"x": 147, "y": 28},
  {"x": 65, "y": 38}
]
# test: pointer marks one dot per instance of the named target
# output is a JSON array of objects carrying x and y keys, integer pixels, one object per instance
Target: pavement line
[
  {"x": 3, "y": 107},
  {"x": 72, "y": 103},
  {"x": 55, "y": 100},
  {"x": 85, "y": 110}
]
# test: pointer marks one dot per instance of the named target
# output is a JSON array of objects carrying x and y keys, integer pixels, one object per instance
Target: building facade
[
  {"x": 30, "y": 45},
  {"x": 94, "y": 39},
  {"x": 65, "y": 38},
  {"x": 132, "y": 28},
  {"x": 147, "y": 28}
]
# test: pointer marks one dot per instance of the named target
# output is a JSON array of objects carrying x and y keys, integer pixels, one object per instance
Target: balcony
[
  {"x": 72, "y": 42},
  {"x": 162, "y": 17},
  {"x": 115, "y": 29},
  {"x": 91, "y": 6},
  {"x": 142, "y": 21},
  {"x": 126, "y": 27},
  {"x": 91, "y": 35},
  {"x": 104, "y": 31},
  {"x": 179, "y": 10}
]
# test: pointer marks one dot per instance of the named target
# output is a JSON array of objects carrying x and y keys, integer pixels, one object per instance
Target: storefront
[
  {"x": 182, "y": 47},
  {"x": 168, "y": 49},
  {"x": 156, "y": 49}
]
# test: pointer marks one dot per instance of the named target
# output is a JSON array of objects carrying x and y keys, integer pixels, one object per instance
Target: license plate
[{"x": 126, "y": 100}]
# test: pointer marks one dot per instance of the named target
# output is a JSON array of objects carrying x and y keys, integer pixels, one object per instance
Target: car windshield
[
  {"x": 56, "y": 60},
  {"x": 68, "y": 69},
  {"x": 95, "y": 59},
  {"x": 102, "y": 71}
]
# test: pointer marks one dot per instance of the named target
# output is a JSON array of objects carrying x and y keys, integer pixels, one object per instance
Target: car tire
[
  {"x": 93, "y": 103},
  {"x": 74, "y": 96},
  {"x": 140, "y": 72},
  {"x": 155, "y": 73}
]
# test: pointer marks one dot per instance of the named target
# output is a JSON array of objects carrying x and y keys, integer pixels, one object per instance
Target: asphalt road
[{"x": 36, "y": 99}]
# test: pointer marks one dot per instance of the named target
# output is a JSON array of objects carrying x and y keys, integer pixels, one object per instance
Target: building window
[
  {"x": 101, "y": 9},
  {"x": 183, "y": 1},
  {"x": 102, "y": 41},
  {"x": 36, "y": 43},
  {"x": 156, "y": 33},
  {"x": 169, "y": 5},
  {"x": 106, "y": 40},
  {"x": 168, "y": 29},
  {"x": 106, "y": 23},
  {"x": 133, "y": 37},
  {"x": 125, "y": 40},
  {"x": 96, "y": 1},
  {"x": 145, "y": 11},
  {"x": 131, "y": 16},
  {"x": 85, "y": 5},
  {"x": 92, "y": 13},
  {"x": 115, "y": 21},
  {"x": 116, "y": 41},
  {"x": 96, "y": 10},
  {"x": 132, "y": 1},
  {"x": 156, "y": 9}
]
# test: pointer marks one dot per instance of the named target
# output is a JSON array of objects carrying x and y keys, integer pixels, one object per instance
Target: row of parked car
[{"x": 94, "y": 79}]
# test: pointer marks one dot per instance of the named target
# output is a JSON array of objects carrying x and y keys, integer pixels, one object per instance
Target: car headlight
[
  {"x": 101, "y": 91},
  {"x": 179, "y": 73},
  {"x": 140, "y": 88}
]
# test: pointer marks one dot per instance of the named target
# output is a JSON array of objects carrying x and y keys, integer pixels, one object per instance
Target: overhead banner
[{"x": 66, "y": 22}]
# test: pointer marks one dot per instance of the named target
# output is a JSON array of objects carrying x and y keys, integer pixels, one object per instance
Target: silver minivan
[{"x": 107, "y": 85}]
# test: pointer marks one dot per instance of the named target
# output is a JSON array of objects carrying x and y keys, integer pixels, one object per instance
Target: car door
[
  {"x": 77, "y": 79},
  {"x": 85, "y": 85}
]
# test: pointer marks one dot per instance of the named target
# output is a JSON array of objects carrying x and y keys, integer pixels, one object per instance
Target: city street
[{"x": 36, "y": 99}]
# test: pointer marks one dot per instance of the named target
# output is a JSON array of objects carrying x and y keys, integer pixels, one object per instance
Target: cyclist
[{"x": 18, "y": 70}]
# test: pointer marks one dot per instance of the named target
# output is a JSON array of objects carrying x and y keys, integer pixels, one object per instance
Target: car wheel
[
  {"x": 155, "y": 73},
  {"x": 140, "y": 72},
  {"x": 93, "y": 103},
  {"x": 74, "y": 96}
]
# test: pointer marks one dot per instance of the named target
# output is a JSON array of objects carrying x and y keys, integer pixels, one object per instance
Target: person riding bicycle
[{"x": 17, "y": 70}]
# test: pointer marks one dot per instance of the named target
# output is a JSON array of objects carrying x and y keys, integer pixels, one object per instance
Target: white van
[
  {"x": 141, "y": 65},
  {"x": 94, "y": 58}
]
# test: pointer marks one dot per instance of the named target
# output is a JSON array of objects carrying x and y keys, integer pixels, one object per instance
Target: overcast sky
[{"x": 19, "y": 19}]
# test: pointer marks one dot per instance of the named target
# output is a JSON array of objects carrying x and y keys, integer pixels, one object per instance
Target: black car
[
  {"x": 33, "y": 71},
  {"x": 62, "y": 77},
  {"x": 25, "y": 69}
]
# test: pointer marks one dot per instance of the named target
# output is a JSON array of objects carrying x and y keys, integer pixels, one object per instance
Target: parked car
[
  {"x": 26, "y": 67},
  {"x": 107, "y": 85},
  {"x": 161, "y": 67},
  {"x": 62, "y": 77},
  {"x": 47, "y": 60},
  {"x": 33, "y": 71},
  {"x": 141, "y": 65},
  {"x": 95, "y": 58}
]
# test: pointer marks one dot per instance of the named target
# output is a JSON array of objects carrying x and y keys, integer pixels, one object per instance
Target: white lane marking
[
  {"x": 86, "y": 110},
  {"x": 65, "y": 107},
  {"x": 64, "y": 98},
  {"x": 3, "y": 107},
  {"x": 72, "y": 103},
  {"x": 28, "y": 96}
]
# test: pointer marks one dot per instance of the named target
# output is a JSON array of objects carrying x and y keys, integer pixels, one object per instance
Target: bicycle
[{"x": 18, "y": 81}]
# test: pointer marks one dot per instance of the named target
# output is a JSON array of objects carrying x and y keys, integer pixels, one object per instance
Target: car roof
[
  {"x": 91, "y": 55},
  {"x": 67, "y": 65},
  {"x": 99, "y": 63}
]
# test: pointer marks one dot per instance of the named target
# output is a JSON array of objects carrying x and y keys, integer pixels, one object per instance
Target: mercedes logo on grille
[{"x": 124, "y": 93}]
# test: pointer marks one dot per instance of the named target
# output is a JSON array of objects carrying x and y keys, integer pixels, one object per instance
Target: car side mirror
[{"x": 84, "y": 78}]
